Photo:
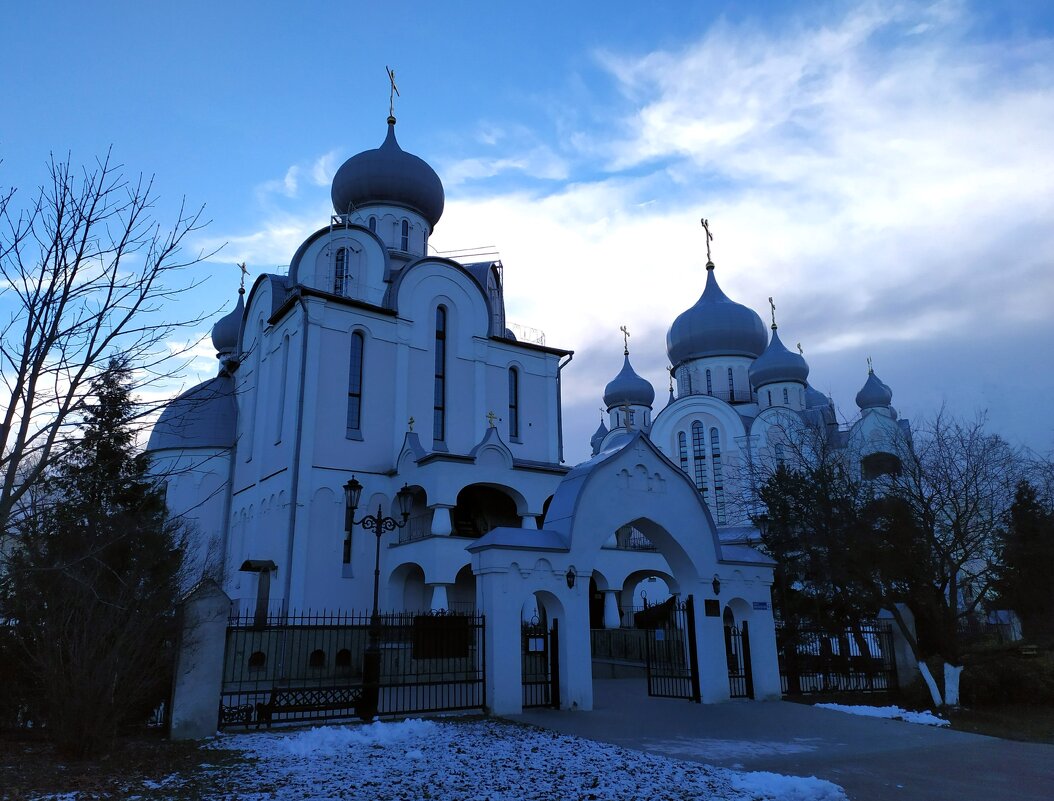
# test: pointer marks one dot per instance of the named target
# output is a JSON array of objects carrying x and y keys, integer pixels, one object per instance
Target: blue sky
[{"x": 884, "y": 170}]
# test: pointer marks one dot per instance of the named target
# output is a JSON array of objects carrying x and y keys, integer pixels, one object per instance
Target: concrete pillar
[
  {"x": 439, "y": 598},
  {"x": 611, "y": 615},
  {"x": 907, "y": 667},
  {"x": 764, "y": 660},
  {"x": 576, "y": 659},
  {"x": 504, "y": 672},
  {"x": 713, "y": 665},
  {"x": 198, "y": 680},
  {"x": 441, "y": 525},
  {"x": 529, "y": 521}
]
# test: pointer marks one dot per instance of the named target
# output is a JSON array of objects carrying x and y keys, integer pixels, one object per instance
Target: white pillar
[
  {"x": 439, "y": 598},
  {"x": 441, "y": 525},
  {"x": 529, "y": 521},
  {"x": 611, "y": 615}
]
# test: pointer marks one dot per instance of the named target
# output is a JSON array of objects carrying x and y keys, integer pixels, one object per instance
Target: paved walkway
[{"x": 873, "y": 759}]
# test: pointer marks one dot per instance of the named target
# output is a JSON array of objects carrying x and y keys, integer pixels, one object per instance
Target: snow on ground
[
  {"x": 891, "y": 712},
  {"x": 459, "y": 760},
  {"x": 724, "y": 750}
]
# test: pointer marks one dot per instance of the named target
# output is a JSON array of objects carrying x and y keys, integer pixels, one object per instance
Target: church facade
[{"x": 374, "y": 360}]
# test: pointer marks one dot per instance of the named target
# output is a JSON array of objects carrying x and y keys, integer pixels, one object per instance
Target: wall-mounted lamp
[
  {"x": 570, "y": 578},
  {"x": 716, "y": 585}
]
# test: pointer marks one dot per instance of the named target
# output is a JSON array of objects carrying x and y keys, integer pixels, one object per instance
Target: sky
[{"x": 884, "y": 171}]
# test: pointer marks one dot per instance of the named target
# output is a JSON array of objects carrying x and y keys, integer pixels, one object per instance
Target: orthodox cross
[
  {"x": 410, "y": 424},
  {"x": 670, "y": 371},
  {"x": 491, "y": 417},
  {"x": 773, "y": 305},
  {"x": 245, "y": 272},
  {"x": 392, "y": 93},
  {"x": 709, "y": 236},
  {"x": 800, "y": 350},
  {"x": 870, "y": 367},
  {"x": 601, "y": 415},
  {"x": 625, "y": 340}
]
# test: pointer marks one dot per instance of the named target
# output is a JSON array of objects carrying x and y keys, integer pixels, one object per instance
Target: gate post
[
  {"x": 693, "y": 650},
  {"x": 198, "y": 679}
]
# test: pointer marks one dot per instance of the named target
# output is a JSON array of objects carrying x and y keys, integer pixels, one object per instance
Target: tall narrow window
[
  {"x": 682, "y": 450},
  {"x": 340, "y": 271},
  {"x": 699, "y": 456},
  {"x": 404, "y": 236},
  {"x": 439, "y": 401},
  {"x": 372, "y": 223},
  {"x": 786, "y": 401},
  {"x": 709, "y": 384},
  {"x": 731, "y": 386},
  {"x": 769, "y": 391},
  {"x": 719, "y": 489},
  {"x": 514, "y": 403},
  {"x": 280, "y": 388},
  {"x": 358, "y": 345}
]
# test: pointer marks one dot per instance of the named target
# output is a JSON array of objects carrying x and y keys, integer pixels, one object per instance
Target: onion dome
[
  {"x": 388, "y": 174},
  {"x": 814, "y": 399},
  {"x": 778, "y": 364},
  {"x": 874, "y": 393},
  {"x": 715, "y": 326},
  {"x": 204, "y": 416},
  {"x": 227, "y": 329},
  {"x": 628, "y": 388},
  {"x": 597, "y": 439}
]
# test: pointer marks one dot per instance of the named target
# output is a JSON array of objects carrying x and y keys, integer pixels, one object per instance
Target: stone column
[
  {"x": 441, "y": 525},
  {"x": 611, "y": 613},
  {"x": 439, "y": 598},
  {"x": 198, "y": 679},
  {"x": 529, "y": 521}
]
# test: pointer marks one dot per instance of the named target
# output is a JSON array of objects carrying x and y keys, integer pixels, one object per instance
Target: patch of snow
[
  {"x": 722, "y": 750},
  {"x": 890, "y": 713},
  {"x": 760, "y": 784}
]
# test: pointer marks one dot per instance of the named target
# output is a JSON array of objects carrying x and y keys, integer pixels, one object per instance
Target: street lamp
[{"x": 378, "y": 523}]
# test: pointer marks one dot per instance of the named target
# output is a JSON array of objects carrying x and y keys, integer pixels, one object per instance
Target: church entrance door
[{"x": 671, "y": 652}]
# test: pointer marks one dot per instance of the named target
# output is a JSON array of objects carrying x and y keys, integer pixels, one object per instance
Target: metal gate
[
  {"x": 540, "y": 662},
  {"x": 670, "y": 650},
  {"x": 737, "y": 652},
  {"x": 856, "y": 659}
]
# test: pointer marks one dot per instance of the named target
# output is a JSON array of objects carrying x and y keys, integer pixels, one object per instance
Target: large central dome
[
  {"x": 715, "y": 326},
  {"x": 388, "y": 174}
]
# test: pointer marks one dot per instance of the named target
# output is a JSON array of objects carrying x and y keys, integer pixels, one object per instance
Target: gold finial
[
  {"x": 870, "y": 366},
  {"x": 709, "y": 237},
  {"x": 800, "y": 351},
  {"x": 773, "y": 305},
  {"x": 392, "y": 94},
  {"x": 491, "y": 417},
  {"x": 625, "y": 340},
  {"x": 245, "y": 272},
  {"x": 410, "y": 424}
]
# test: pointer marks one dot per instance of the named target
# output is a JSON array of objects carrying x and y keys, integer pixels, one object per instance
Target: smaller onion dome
[
  {"x": 226, "y": 330},
  {"x": 204, "y": 416},
  {"x": 628, "y": 388},
  {"x": 874, "y": 393},
  {"x": 814, "y": 399},
  {"x": 778, "y": 364},
  {"x": 388, "y": 174},
  {"x": 597, "y": 439}
]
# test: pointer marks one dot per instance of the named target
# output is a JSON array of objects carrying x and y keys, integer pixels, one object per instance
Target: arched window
[
  {"x": 358, "y": 345},
  {"x": 699, "y": 456},
  {"x": 682, "y": 450},
  {"x": 514, "y": 403},
  {"x": 343, "y": 659},
  {"x": 439, "y": 400},
  {"x": 786, "y": 399},
  {"x": 731, "y": 386},
  {"x": 404, "y": 236},
  {"x": 257, "y": 660},
  {"x": 340, "y": 271},
  {"x": 709, "y": 384},
  {"x": 372, "y": 223},
  {"x": 769, "y": 391},
  {"x": 317, "y": 658},
  {"x": 780, "y": 459},
  {"x": 688, "y": 380},
  {"x": 719, "y": 489}
]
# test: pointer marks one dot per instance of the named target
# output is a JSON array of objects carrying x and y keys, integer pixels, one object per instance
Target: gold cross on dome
[
  {"x": 491, "y": 417},
  {"x": 625, "y": 339},
  {"x": 245, "y": 272},
  {"x": 773, "y": 305},
  {"x": 410, "y": 424},
  {"x": 392, "y": 93},
  {"x": 802, "y": 352},
  {"x": 709, "y": 236}
]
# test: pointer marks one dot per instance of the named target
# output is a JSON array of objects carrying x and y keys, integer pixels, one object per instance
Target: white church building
[{"x": 375, "y": 360}]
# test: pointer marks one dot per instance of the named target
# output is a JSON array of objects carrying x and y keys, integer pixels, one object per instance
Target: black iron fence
[
  {"x": 540, "y": 663},
  {"x": 856, "y": 659},
  {"x": 670, "y": 651},
  {"x": 737, "y": 654},
  {"x": 308, "y": 666}
]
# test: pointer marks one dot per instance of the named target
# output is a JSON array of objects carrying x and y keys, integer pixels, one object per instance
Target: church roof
[
  {"x": 227, "y": 329},
  {"x": 629, "y": 388},
  {"x": 388, "y": 174},
  {"x": 874, "y": 393},
  {"x": 778, "y": 364},
  {"x": 205, "y": 416},
  {"x": 715, "y": 326}
]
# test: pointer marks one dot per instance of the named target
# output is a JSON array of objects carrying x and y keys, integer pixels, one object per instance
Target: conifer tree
[
  {"x": 93, "y": 582},
  {"x": 1024, "y": 577}
]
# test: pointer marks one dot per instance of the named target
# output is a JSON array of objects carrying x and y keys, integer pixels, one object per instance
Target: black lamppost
[{"x": 378, "y": 523}]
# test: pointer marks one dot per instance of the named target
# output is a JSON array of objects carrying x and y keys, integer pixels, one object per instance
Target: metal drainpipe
[
  {"x": 560, "y": 405},
  {"x": 295, "y": 488}
]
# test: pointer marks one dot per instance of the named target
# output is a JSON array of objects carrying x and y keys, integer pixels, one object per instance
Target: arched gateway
[{"x": 629, "y": 483}]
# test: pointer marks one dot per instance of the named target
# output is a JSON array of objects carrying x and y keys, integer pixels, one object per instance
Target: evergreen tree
[
  {"x": 1024, "y": 577},
  {"x": 94, "y": 581}
]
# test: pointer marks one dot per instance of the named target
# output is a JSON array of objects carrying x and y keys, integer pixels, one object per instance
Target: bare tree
[{"x": 85, "y": 273}]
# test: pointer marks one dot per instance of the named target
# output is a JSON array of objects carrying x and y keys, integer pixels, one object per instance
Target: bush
[{"x": 1008, "y": 678}]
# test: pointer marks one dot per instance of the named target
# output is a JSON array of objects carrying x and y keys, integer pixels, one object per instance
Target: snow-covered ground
[
  {"x": 891, "y": 712},
  {"x": 472, "y": 760}
]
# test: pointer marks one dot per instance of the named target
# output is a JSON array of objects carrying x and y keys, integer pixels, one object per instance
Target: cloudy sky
[{"x": 884, "y": 170}]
